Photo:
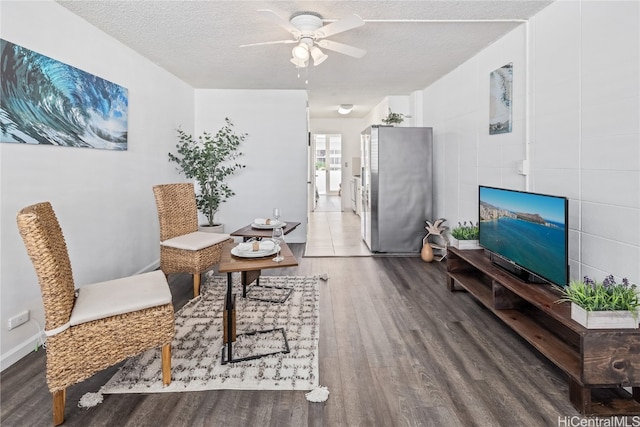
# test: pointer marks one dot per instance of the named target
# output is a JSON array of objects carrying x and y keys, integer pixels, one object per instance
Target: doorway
[
  {"x": 332, "y": 231},
  {"x": 327, "y": 164}
]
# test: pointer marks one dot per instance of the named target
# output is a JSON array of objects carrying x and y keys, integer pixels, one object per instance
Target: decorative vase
[
  {"x": 427, "y": 252},
  {"x": 623, "y": 319},
  {"x": 464, "y": 244}
]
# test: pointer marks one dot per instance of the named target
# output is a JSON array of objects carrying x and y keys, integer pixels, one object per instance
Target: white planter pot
[
  {"x": 218, "y": 228},
  {"x": 603, "y": 319},
  {"x": 464, "y": 244}
]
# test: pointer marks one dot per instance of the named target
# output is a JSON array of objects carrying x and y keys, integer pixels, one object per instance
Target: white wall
[
  {"x": 583, "y": 108},
  {"x": 275, "y": 153},
  {"x": 103, "y": 199}
]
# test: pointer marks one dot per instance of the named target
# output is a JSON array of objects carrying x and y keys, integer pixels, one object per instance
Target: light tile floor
[{"x": 334, "y": 233}]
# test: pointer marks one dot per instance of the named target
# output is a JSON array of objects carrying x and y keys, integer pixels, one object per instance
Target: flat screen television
[{"x": 525, "y": 233}]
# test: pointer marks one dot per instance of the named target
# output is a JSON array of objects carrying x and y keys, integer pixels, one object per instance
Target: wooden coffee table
[{"x": 250, "y": 269}]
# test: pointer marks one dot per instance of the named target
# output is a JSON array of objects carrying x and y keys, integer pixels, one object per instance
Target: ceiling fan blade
[
  {"x": 274, "y": 42},
  {"x": 348, "y": 23},
  {"x": 342, "y": 48},
  {"x": 277, "y": 19}
]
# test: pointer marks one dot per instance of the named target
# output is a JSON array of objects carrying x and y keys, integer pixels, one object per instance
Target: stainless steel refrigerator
[{"x": 397, "y": 187}]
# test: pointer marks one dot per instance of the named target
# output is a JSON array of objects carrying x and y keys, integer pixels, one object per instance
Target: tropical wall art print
[
  {"x": 500, "y": 98},
  {"x": 44, "y": 101}
]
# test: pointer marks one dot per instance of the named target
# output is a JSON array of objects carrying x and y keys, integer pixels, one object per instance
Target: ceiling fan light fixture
[
  {"x": 301, "y": 51},
  {"x": 300, "y": 63},
  {"x": 309, "y": 32},
  {"x": 345, "y": 108},
  {"x": 318, "y": 56}
]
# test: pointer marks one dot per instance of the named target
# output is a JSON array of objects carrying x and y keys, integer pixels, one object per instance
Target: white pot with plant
[
  {"x": 602, "y": 305},
  {"x": 393, "y": 118},
  {"x": 465, "y": 236},
  {"x": 209, "y": 160}
]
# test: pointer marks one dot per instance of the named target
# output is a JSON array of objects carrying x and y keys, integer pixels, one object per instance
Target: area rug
[{"x": 197, "y": 346}]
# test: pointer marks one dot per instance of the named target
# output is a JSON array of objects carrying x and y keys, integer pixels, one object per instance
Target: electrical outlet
[
  {"x": 523, "y": 167},
  {"x": 18, "y": 320}
]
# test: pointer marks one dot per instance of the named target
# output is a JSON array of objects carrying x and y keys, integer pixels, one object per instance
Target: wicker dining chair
[
  {"x": 98, "y": 325},
  {"x": 184, "y": 249}
]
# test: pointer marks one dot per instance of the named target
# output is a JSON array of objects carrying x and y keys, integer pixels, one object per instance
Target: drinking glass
[
  {"x": 277, "y": 235},
  {"x": 276, "y": 214}
]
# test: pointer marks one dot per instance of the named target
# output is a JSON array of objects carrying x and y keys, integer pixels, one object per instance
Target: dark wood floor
[{"x": 396, "y": 349}]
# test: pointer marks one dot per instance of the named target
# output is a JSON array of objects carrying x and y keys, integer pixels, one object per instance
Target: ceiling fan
[{"x": 309, "y": 35}]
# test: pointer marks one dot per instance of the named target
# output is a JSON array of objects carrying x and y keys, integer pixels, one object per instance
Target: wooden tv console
[{"x": 601, "y": 365}]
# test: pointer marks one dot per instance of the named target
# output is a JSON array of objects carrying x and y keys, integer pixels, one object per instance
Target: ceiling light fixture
[
  {"x": 301, "y": 51},
  {"x": 310, "y": 32},
  {"x": 345, "y": 108},
  {"x": 318, "y": 56},
  {"x": 300, "y": 63}
]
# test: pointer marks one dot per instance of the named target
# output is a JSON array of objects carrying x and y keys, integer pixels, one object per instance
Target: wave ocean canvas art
[
  {"x": 44, "y": 101},
  {"x": 500, "y": 83}
]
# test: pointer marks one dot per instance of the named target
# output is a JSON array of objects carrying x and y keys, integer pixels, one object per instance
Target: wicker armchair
[
  {"x": 98, "y": 325},
  {"x": 184, "y": 249}
]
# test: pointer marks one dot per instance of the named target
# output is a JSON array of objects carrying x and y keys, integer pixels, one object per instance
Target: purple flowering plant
[{"x": 607, "y": 295}]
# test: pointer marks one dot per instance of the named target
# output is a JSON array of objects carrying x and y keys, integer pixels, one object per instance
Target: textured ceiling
[{"x": 199, "y": 42}]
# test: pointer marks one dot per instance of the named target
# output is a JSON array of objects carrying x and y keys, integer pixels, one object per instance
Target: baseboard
[{"x": 21, "y": 350}]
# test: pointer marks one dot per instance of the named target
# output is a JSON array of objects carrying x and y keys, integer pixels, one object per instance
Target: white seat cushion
[
  {"x": 120, "y": 296},
  {"x": 195, "y": 241}
]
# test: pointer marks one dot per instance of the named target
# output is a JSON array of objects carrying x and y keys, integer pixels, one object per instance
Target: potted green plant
[
  {"x": 465, "y": 236},
  {"x": 602, "y": 305},
  {"x": 209, "y": 160},
  {"x": 393, "y": 118}
]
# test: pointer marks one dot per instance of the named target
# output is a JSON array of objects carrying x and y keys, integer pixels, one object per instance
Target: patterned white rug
[{"x": 197, "y": 346}]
